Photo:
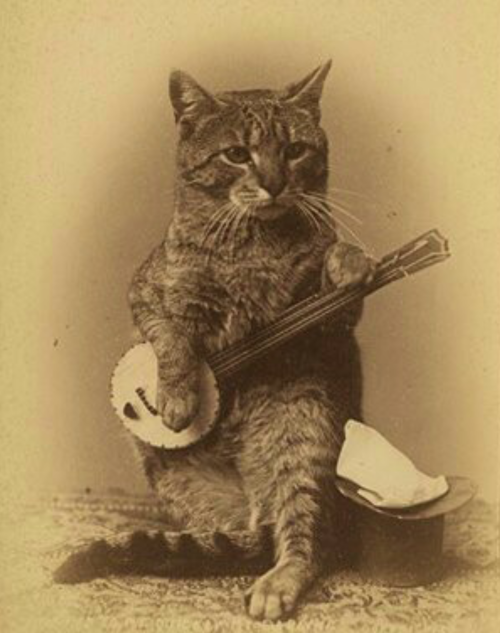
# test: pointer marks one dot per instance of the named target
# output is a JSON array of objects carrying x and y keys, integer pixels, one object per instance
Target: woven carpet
[{"x": 37, "y": 536}]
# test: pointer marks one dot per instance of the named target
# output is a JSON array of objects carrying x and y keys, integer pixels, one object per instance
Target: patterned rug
[{"x": 37, "y": 536}]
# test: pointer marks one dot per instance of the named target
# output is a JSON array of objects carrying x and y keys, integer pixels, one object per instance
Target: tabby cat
[{"x": 251, "y": 234}]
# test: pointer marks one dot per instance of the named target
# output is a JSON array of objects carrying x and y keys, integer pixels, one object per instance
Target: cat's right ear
[
  {"x": 188, "y": 97},
  {"x": 306, "y": 93}
]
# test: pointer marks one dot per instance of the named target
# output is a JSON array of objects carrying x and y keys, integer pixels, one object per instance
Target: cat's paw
[
  {"x": 274, "y": 596},
  {"x": 178, "y": 407},
  {"x": 348, "y": 265}
]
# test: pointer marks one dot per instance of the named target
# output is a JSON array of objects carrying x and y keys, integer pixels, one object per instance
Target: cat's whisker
[
  {"x": 345, "y": 227},
  {"x": 311, "y": 220},
  {"x": 325, "y": 216},
  {"x": 329, "y": 201},
  {"x": 241, "y": 223},
  {"x": 214, "y": 221},
  {"x": 320, "y": 216},
  {"x": 340, "y": 204},
  {"x": 257, "y": 225},
  {"x": 222, "y": 220},
  {"x": 231, "y": 216},
  {"x": 346, "y": 204},
  {"x": 220, "y": 228},
  {"x": 315, "y": 224},
  {"x": 303, "y": 211},
  {"x": 322, "y": 205},
  {"x": 248, "y": 219},
  {"x": 351, "y": 193},
  {"x": 333, "y": 221},
  {"x": 236, "y": 223}
]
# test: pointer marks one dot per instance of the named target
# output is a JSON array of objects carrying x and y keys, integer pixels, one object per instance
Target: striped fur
[
  {"x": 171, "y": 554},
  {"x": 241, "y": 249}
]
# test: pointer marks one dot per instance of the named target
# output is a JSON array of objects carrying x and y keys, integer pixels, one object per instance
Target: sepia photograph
[{"x": 250, "y": 316}]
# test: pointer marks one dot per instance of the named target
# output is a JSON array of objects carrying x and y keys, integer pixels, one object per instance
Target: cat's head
[{"x": 255, "y": 151}]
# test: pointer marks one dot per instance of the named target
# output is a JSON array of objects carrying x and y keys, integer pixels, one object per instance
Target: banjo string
[
  {"x": 303, "y": 308},
  {"x": 233, "y": 359},
  {"x": 391, "y": 261},
  {"x": 307, "y": 306},
  {"x": 229, "y": 359}
]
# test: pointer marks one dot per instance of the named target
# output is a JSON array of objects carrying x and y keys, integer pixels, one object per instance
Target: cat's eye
[
  {"x": 295, "y": 150},
  {"x": 238, "y": 155}
]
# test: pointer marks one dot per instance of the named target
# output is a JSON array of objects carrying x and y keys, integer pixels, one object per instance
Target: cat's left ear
[
  {"x": 307, "y": 92},
  {"x": 188, "y": 97}
]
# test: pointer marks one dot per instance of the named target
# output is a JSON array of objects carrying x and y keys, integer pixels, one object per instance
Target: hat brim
[{"x": 461, "y": 490}]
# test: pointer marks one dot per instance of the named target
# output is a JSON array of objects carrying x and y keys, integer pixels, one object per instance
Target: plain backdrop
[{"x": 411, "y": 107}]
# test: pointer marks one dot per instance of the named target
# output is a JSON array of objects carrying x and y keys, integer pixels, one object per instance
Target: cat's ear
[
  {"x": 188, "y": 97},
  {"x": 307, "y": 92}
]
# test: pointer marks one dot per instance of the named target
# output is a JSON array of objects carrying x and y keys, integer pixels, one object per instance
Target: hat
[{"x": 404, "y": 547}]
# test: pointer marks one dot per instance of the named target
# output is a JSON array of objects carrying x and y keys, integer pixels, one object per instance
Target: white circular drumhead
[{"x": 133, "y": 395}]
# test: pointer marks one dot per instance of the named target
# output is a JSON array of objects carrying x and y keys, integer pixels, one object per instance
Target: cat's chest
[
  {"x": 263, "y": 288},
  {"x": 259, "y": 292}
]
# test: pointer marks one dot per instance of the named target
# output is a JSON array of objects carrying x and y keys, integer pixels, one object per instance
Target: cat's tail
[{"x": 172, "y": 554}]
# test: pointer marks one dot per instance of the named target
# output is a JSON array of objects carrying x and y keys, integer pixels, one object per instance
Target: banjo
[{"x": 134, "y": 381}]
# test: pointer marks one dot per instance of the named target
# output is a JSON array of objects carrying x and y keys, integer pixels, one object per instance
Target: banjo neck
[{"x": 426, "y": 250}]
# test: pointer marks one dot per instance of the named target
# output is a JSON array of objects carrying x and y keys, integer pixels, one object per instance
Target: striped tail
[{"x": 171, "y": 554}]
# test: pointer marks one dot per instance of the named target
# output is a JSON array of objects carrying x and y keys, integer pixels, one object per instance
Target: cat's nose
[
  {"x": 273, "y": 181},
  {"x": 274, "y": 186}
]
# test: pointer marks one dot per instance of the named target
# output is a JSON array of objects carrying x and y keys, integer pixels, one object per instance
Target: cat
[{"x": 251, "y": 234}]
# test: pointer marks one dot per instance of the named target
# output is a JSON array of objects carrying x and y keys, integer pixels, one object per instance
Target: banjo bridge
[{"x": 142, "y": 397}]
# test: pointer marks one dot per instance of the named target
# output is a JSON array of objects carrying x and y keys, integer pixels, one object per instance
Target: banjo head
[{"x": 133, "y": 395}]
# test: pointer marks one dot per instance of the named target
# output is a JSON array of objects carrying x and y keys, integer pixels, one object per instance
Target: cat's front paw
[
  {"x": 348, "y": 265},
  {"x": 274, "y": 596},
  {"x": 178, "y": 403}
]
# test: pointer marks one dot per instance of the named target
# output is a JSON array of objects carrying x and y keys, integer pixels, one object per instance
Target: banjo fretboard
[{"x": 428, "y": 249}]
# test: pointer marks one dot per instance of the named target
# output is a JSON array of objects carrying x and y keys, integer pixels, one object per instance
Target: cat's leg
[
  {"x": 199, "y": 489},
  {"x": 292, "y": 441},
  {"x": 174, "y": 309}
]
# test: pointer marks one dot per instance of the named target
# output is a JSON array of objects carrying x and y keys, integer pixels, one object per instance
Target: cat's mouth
[{"x": 270, "y": 211}]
